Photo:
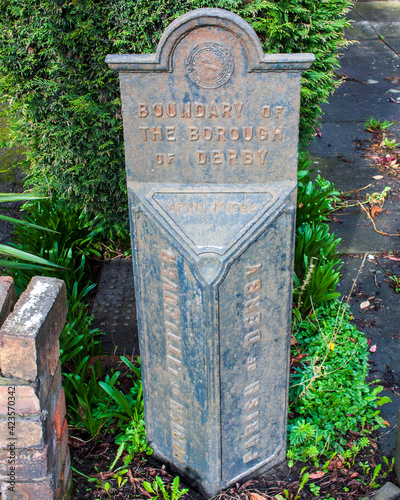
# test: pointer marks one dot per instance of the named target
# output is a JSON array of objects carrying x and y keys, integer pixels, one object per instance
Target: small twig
[
  {"x": 373, "y": 223},
  {"x": 356, "y": 278},
  {"x": 357, "y": 190}
]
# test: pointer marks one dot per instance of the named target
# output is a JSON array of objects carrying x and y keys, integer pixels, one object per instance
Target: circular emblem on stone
[{"x": 210, "y": 65}]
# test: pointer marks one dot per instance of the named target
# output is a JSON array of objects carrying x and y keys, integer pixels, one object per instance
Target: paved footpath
[{"x": 366, "y": 92}]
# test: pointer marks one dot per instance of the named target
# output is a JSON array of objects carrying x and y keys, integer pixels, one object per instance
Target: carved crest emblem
[{"x": 210, "y": 65}]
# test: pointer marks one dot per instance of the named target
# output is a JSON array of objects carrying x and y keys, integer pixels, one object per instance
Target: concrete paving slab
[
  {"x": 378, "y": 11},
  {"x": 387, "y": 29},
  {"x": 360, "y": 30}
]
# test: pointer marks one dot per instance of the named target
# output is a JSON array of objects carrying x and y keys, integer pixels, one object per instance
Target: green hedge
[{"x": 64, "y": 101}]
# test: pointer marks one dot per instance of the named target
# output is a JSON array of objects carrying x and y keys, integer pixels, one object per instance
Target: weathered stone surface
[
  {"x": 388, "y": 492},
  {"x": 211, "y": 127},
  {"x": 29, "y": 336},
  {"x": 8, "y": 297}
]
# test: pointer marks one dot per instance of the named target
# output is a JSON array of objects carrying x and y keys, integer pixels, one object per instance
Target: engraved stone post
[{"x": 211, "y": 127}]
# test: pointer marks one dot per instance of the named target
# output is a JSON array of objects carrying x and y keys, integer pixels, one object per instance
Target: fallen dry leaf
[
  {"x": 375, "y": 210},
  {"x": 372, "y": 348},
  {"x": 298, "y": 358},
  {"x": 317, "y": 475},
  {"x": 393, "y": 258},
  {"x": 377, "y": 177},
  {"x": 386, "y": 423},
  {"x": 364, "y": 304},
  {"x": 256, "y": 496}
]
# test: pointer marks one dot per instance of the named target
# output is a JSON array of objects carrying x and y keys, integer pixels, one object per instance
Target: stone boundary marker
[
  {"x": 34, "y": 454},
  {"x": 211, "y": 140}
]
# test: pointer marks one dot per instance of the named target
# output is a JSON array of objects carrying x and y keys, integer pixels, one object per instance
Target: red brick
[
  {"x": 8, "y": 297},
  {"x": 59, "y": 414},
  {"x": 22, "y": 399},
  {"x": 41, "y": 490},
  {"x": 30, "y": 463},
  {"x": 29, "y": 336},
  {"x": 28, "y": 432}
]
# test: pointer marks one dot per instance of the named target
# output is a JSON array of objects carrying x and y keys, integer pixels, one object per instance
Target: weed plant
[{"x": 329, "y": 395}]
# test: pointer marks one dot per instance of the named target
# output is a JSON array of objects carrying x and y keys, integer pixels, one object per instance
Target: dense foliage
[
  {"x": 329, "y": 395},
  {"x": 64, "y": 101},
  {"x": 316, "y": 263}
]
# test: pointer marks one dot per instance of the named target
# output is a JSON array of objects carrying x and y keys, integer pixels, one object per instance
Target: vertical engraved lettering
[
  {"x": 169, "y": 271},
  {"x": 169, "y": 285},
  {"x": 255, "y": 439},
  {"x": 248, "y": 270},
  {"x": 252, "y": 315},
  {"x": 277, "y": 134},
  {"x": 250, "y": 456},
  {"x": 159, "y": 159},
  {"x": 253, "y": 403},
  {"x": 252, "y": 388},
  {"x": 252, "y": 287},
  {"x": 251, "y": 321},
  {"x": 252, "y": 304},
  {"x": 252, "y": 337},
  {"x": 168, "y": 257}
]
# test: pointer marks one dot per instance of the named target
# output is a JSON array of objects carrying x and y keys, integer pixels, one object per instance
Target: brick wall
[{"x": 34, "y": 454}]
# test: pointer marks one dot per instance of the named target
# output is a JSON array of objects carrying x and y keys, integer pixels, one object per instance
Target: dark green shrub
[{"x": 64, "y": 101}]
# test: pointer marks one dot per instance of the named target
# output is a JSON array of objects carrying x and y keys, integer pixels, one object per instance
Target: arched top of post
[{"x": 162, "y": 59}]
